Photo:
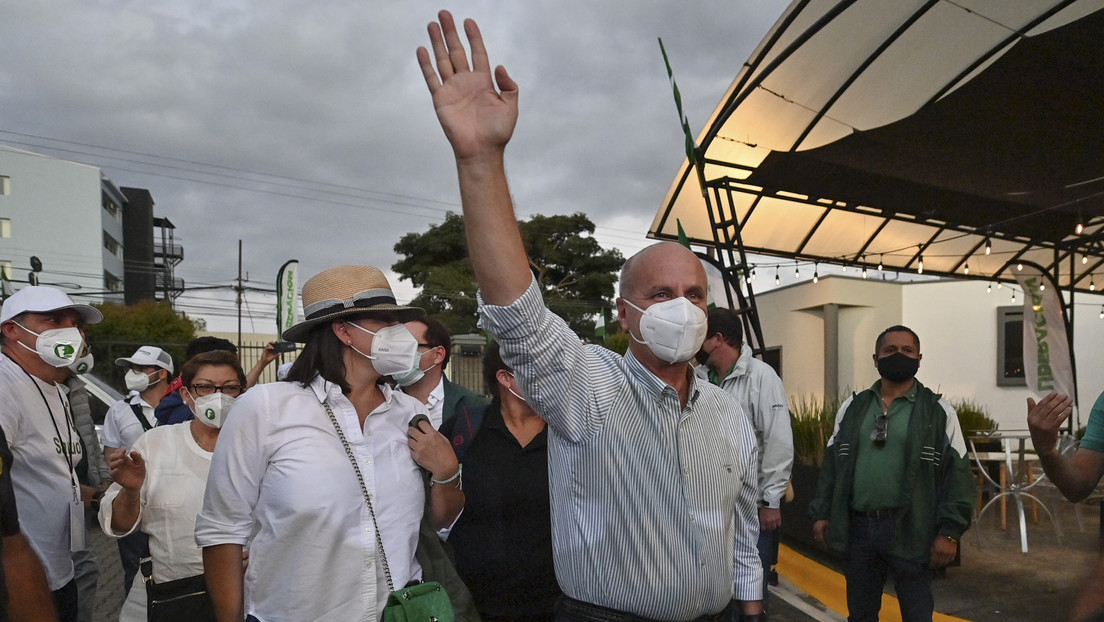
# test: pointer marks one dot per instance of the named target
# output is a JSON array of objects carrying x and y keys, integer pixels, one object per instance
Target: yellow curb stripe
[{"x": 828, "y": 586}]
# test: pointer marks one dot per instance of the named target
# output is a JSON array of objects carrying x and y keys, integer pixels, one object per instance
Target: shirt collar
[
  {"x": 437, "y": 394},
  {"x": 876, "y": 388},
  {"x": 652, "y": 384}
]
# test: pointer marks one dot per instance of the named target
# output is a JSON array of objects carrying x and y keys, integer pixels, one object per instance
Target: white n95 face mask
[
  {"x": 394, "y": 349},
  {"x": 137, "y": 381},
  {"x": 83, "y": 364},
  {"x": 211, "y": 409},
  {"x": 673, "y": 329},
  {"x": 58, "y": 347}
]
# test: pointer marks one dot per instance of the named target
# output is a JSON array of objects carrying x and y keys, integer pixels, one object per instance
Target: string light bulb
[
  {"x": 988, "y": 246},
  {"x": 816, "y": 277},
  {"x": 1013, "y": 297},
  {"x": 864, "y": 272},
  {"x": 920, "y": 269},
  {"x": 797, "y": 271},
  {"x": 1042, "y": 287},
  {"x": 1080, "y": 228},
  {"x": 1000, "y": 285},
  {"x": 1102, "y": 312},
  {"x": 989, "y": 288},
  {"x": 879, "y": 262},
  {"x": 1084, "y": 259},
  {"x": 777, "y": 279},
  {"x": 1092, "y": 284},
  {"x": 1019, "y": 267},
  {"x": 966, "y": 269}
]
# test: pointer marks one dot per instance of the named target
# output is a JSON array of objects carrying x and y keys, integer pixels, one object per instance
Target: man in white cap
[
  {"x": 41, "y": 334},
  {"x": 150, "y": 371}
]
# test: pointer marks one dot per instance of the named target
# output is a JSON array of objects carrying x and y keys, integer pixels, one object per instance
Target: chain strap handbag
[{"x": 421, "y": 602}]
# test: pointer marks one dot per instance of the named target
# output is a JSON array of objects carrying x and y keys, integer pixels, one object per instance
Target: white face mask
[
  {"x": 673, "y": 330},
  {"x": 83, "y": 364},
  {"x": 414, "y": 374},
  {"x": 137, "y": 381},
  {"x": 394, "y": 349},
  {"x": 58, "y": 347},
  {"x": 212, "y": 409}
]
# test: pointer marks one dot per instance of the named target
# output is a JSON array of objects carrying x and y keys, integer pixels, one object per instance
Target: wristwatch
[{"x": 95, "y": 503}]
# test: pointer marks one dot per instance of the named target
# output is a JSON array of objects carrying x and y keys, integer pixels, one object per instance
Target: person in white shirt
[
  {"x": 282, "y": 481},
  {"x": 426, "y": 379},
  {"x": 149, "y": 371},
  {"x": 43, "y": 333},
  {"x": 159, "y": 484}
]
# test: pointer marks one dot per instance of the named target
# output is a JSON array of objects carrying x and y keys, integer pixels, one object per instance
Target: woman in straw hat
[{"x": 328, "y": 537}]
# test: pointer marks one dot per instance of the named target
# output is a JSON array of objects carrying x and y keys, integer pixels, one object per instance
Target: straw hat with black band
[{"x": 346, "y": 290}]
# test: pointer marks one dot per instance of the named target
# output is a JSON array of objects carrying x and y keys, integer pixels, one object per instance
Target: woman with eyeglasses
[{"x": 159, "y": 484}]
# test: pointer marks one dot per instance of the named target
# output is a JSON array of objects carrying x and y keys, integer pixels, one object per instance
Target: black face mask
[
  {"x": 898, "y": 367},
  {"x": 702, "y": 356}
]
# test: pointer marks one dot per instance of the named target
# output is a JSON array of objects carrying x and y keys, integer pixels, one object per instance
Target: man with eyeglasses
[
  {"x": 426, "y": 379},
  {"x": 896, "y": 491}
]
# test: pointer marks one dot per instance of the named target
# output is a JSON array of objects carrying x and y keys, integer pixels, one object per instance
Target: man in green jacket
[{"x": 896, "y": 491}]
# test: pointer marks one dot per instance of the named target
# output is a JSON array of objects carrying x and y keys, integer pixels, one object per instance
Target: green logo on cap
[
  {"x": 64, "y": 350},
  {"x": 209, "y": 413},
  {"x": 83, "y": 367}
]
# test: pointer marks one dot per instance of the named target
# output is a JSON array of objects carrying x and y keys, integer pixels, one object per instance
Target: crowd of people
[{"x": 591, "y": 486}]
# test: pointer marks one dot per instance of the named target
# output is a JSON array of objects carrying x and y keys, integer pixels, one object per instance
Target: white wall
[
  {"x": 957, "y": 325},
  {"x": 55, "y": 210}
]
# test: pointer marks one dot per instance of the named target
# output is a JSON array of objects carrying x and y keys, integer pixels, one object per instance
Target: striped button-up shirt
[{"x": 651, "y": 501}]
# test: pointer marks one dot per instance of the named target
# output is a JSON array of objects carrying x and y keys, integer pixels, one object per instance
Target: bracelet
[{"x": 440, "y": 482}]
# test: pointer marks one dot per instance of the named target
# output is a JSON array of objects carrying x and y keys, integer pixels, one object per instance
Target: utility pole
[{"x": 240, "y": 289}]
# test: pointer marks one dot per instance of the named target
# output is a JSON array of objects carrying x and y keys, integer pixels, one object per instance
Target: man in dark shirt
[
  {"x": 24, "y": 594},
  {"x": 503, "y": 539}
]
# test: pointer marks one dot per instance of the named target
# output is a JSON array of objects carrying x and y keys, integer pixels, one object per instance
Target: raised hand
[
  {"x": 477, "y": 118},
  {"x": 1045, "y": 419},
  {"x": 129, "y": 471}
]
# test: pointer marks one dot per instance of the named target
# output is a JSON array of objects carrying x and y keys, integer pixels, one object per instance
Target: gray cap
[{"x": 148, "y": 356}]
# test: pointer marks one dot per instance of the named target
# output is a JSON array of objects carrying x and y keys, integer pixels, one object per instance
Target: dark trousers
[
  {"x": 870, "y": 561},
  {"x": 65, "y": 601},
  {"x": 131, "y": 549}
]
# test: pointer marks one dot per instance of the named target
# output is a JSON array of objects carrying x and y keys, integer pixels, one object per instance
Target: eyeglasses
[
  {"x": 881, "y": 429},
  {"x": 201, "y": 390}
]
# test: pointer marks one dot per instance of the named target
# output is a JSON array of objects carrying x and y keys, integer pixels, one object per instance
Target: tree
[
  {"x": 125, "y": 328},
  {"x": 575, "y": 274}
]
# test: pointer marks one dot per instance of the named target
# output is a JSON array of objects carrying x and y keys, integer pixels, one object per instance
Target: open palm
[{"x": 477, "y": 118}]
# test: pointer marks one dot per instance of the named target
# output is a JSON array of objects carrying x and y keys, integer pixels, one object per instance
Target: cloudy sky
[{"x": 306, "y": 131}]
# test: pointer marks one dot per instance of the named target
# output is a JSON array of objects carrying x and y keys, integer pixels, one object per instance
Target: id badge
[{"x": 76, "y": 523}]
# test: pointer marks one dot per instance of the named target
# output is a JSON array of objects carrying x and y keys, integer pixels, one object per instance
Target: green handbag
[{"x": 423, "y": 602}]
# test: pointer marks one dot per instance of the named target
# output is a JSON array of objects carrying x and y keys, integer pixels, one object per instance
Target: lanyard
[{"x": 69, "y": 425}]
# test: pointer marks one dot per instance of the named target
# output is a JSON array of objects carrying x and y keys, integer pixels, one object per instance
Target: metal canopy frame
[{"x": 888, "y": 152}]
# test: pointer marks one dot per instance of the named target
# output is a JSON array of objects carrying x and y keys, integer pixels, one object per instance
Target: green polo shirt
[{"x": 880, "y": 470}]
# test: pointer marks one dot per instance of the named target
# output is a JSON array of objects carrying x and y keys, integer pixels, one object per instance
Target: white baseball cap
[
  {"x": 43, "y": 299},
  {"x": 148, "y": 356}
]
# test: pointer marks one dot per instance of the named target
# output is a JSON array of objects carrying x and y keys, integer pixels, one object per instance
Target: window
[
  {"x": 5, "y": 185},
  {"x": 1010, "y": 360},
  {"x": 112, "y": 245},
  {"x": 111, "y": 208},
  {"x": 112, "y": 283},
  {"x": 5, "y": 227}
]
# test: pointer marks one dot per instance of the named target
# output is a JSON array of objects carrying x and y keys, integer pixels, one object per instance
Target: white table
[{"x": 1015, "y": 482}]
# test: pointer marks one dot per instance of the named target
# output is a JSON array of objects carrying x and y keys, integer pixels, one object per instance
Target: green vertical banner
[
  {"x": 691, "y": 145},
  {"x": 1048, "y": 365},
  {"x": 287, "y": 289}
]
